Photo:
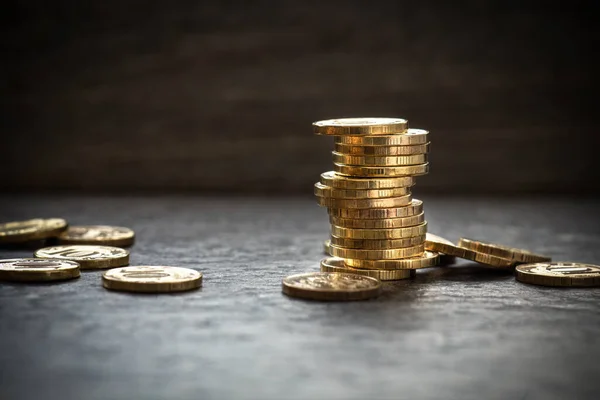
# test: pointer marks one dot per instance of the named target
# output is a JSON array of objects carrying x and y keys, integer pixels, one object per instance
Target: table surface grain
[{"x": 459, "y": 332}]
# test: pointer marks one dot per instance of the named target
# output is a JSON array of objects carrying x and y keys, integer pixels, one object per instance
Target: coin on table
[
  {"x": 517, "y": 255},
  {"x": 37, "y": 270},
  {"x": 331, "y": 286},
  {"x": 383, "y": 254},
  {"x": 415, "y": 207},
  {"x": 88, "y": 256},
  {"x": 568, "y": 274},
  {"x": 32, "y": 229},
  {"x": 389, "y": 202},
  {"x": 378, "y": 223},
  {"x": 152, "y": 279},
  {"x": 360, "y": 126},
  {"x": 379, "y": 161},
  {"x": 334, "y": 264},
  {"x": 335, "y": 193},
  {"x": 326, "y": 245},
  {"x": 375, "y": 244},
  {"x": 410, "y": 138},
  {"x": 394, "y": 233},
  {"x": 441, "y": 245},
  {"x": 365, "y": 171},
  {"x": 97, "y": 234},
  {"x": 356, "y": 150},
  {"x": 427, "y": 259},
  {"x": 331, "y": 179}
]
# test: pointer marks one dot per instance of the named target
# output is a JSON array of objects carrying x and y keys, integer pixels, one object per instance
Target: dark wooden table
[{"x": 461, "y": 332}]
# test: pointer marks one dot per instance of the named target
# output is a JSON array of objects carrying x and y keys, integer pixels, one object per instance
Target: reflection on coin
[
  {"x": 387, "y": 223},
  {"x": 441, "y": 245},
  {"x": 329, "y": 192},
  {"x": 415, "y": 207},
  {"x": 375, "y": 244},
  {"x": 394, "y": 233},
  {"x": 33, "y": 229},
  {"x": 326, "y": 246},
  {"x": 411, "y": 137},
  {"x": 427, "y": 259},
  {"x": 88, "y": 257},
  {"x": 517, "y": 255},
  {"x": 331, "y": 179},
  {"x": 559, "y": 274},
  {"x": 334, "y": 264},
  {"x": 152, "y": 279},
  {"x": 390, "y": 202},
  {"x": 379, "y": 161},
  {"x": 374, "y": 172},
  {"x": 331, "y": 286},
  {"x": 381, "y": 150},
  {"x": 384, "y": 254},
  {"x": 37, "y": 270},
  {"x": 98, "y": 234},
  {"x": 360, "y": 126}
]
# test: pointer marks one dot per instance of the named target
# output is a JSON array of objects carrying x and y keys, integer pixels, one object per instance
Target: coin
[
  {"x": 498, "y": 250},
  {"x": 326, "y": 246},
  {"x": 374, "y": 244},
  {"x": 411, "y": 137},
  {"x": 378, "y": 223},
  {"x": 37, "y": 270},
  {"x": 360, "y": 126},
  {"x": 559, "y": 274},
  {"x": 88, "y": 257},
  {"x": 384, "y": 254},
  {"x": 33, "y": 229},
  {"x": 381, "y": 150},
  {"x": 331, "y": 286},
  {"x": 439, "y": 244},
  {"x": 395, "y": 233},
  {"x": 98, "y": 234},
  {"x": 415, "y": 207},
  {"x": 364, "y": 171},
  {"x": 152, "y": 279},
  {"x": 337, "y": 181},
  {"x": 390, "y": 202},
  {"x": 427, "y": 259},
  {"x": 334, "y": 264},
  {"x": 381, "y": 161},
  {"x": 327, "y": 191}
]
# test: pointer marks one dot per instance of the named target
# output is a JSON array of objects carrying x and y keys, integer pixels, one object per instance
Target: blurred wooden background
[{"x": 219, "y": 95}]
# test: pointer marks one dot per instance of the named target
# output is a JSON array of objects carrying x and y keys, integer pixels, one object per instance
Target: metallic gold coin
[
  {"x": 559, "y": 274},
  {"x": 379, "y": 161},
  {"x": 390, "y": 202},
  {"x": 88, "y": 257},
  {"x": 37, "y": 270},
  {"x": 152, "y": 279},
  {"x": 364, "y": 171},
  {"x": 373, "y": 244},
  {"x": 415, "y": 207},
  {"x": 381, "y": 150},
  {"x": 331, "y": 286},
  {"x": 98, "y": 234},
  {"x": 395, "y": 233},
  {"x": 326, "y": 246},
  {"x": 441, "y": 245},
  {"x": 33, "y": 229},
  {"x": 334, "y": 264},
  {"x": 498, "y": 250},
  {"x": 388, "y": 223},
  {"x": 410, "y": 138},
  {"x": 360, "y": 126},
  {"x": 427, "y": 259},
  {"x": 337, "y": 181},
  {"x": 384, "y": 254},
  {"x": 327, "y": 191}
]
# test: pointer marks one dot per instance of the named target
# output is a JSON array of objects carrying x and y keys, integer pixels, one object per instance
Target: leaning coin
[
  {"x": 498, "y": 250},
  {"x": 334, "y": 193},
  {"x": 389, "y": 202},
  {"x": 378, "y": 223},
  {"x": 364, "y": 171},
  {"x": 411, "y": 137},
  {"x": 88, "y": 257},
  {"x": 33, "y": 229},
  {"x": 334, "y": 264},
  {"x": 394, "y": 233},
  {"x": 360, "y": 126},
  {"x": 567, "y": 274},
  {"x": 379, "y": 161},
  {"x": 331, "y": 179},
  {"x": 98, "y": 234},
  {"x": 331, "y": 286},
  {"x": 152, "y": 279},
  {"x": 415, "y": 207},
  {"x": 37, "y": 270},
  {"x": 381, "y": 150},
  {"x": 375, "y": 244},
  {"x": 441, "y": 245},
  {"x": 427, "y": 259},
  {"x": 384, "y": 254}
]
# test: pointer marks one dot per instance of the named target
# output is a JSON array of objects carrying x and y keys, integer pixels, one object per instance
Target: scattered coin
[
  {"x": 152, "y": 279},
  {"x": 375, "y": 244},
  {"x": 415, "y": 207},
  {"x": 331, "y": 286},
  {"x": 37, "y": 270},
  {"x": 567, "y": 274},
  {"x": 360, "y": 126},
  {"x": 329, "y": 192},
  {"x": 331, "y": 179},
  {"x": 98, "y": 234},
  {"x": 88, "y": 256},
  {"x": 395, "y": 233},
  {"x": 427, "y": 259},
  {"x": 33, "y": 229},
  {"x": 382, "y": 161},
  {"x": 334, "y": 264},
  {"x": 378, "y": 223},
  {"x": 441, "y": 245},
  {"x": 410, "y": 138},
  {"x": 390, "y": 202},
  {"x": 498, "y": 250},
  {"x": 369, "y": 171},
  {"x": 381, "y": 150},
  {"x": 385, "y": 254}
]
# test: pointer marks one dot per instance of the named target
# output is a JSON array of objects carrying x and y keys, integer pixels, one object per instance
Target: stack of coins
[{"x": 377, "y": 228}]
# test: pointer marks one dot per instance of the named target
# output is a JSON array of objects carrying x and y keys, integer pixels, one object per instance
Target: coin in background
[
  {"x": 37, "y": 270},
  {"x": 97, "y": 234},
  {"x": 331, "y": 286},
  {"x": 33, "y": 229},
  {"x": 88, "y": 257},
  {"x": 152, "y": 279},
  {"x": 567, "y": 274}
]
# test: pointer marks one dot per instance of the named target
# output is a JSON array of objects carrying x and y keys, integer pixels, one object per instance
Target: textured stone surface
[{"x": 461, "y": 332}]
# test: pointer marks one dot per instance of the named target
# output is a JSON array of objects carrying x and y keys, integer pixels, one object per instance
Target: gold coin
[
  {"x": 337, "y": 181},
  {"x": 360, "y": 126},
  {"x": 390, "y": 202},
  {"x": 410, "y": 138},
  {"x": 326, "y": 246},
  {"x": 326, "y": 191},
  {"x": 395, "y": 233},
  {"x": 33, "y": 229},
  {"x": 378, "y": 223},
  {"x": 364, "y": 171},
  {"x": 381, "y": 150},
  {"x": 98, "y": 234},
  {"x": 37, "y": 270},
  {"x": 415, "y": 207},
  {"x": 334, "y": 264},
  {"x": 559, "y": 274},
  {"x": 384, "y": 254},
  {"x": 379, "y": 161},
  {"x": 427, "y": 259},
  {"x": 331, "y": 286},
  {"x": 441, "y": 245},
  {"x": 88, "y": 257},
  {"x": 152, "y": 279},
  {"x": 498, "y": 250},
  {"x": 374, "y": 244}
]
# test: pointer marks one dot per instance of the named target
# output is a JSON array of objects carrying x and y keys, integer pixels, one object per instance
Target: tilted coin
[
  {"x": 337, "y": 181},
  {"x": 97, "y": 234},
  {"x": 378, "y": 223},
  {"x": 381, "y": 150},
  {"x": 152, "y": 279},
  {"x": 88, "y": 256},
  {"x": 374, "y": 244},
  {"x": 360, "y": 126},
  {"x": 327, "y": 191},
  {"x": 427, "y": 259},
  {"x": 334, "y": 264},
  {"x": 411, "y": 137},
  {"x": 390, "y": 202},
  {"x": 32, "y": 229},
  {"x": 37, "y": 270},
  {"x": 380, "y": 161},
  {"x": 364, "y": 171},
  {"x": 498, "y": 250},
  {"x": 394, "y": 233},
  {"x": 415, "y": 207},
  {"x": 326, "y": 246},
  {"x": 384, "y": 254},
  {"x": 331, "y": 286},
  {"x": 559, "y": 274},
  {"x": 441, "y": 245}
]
